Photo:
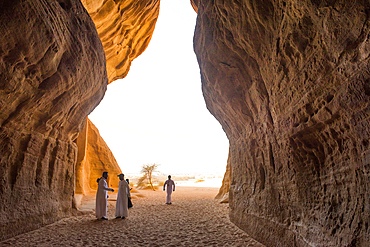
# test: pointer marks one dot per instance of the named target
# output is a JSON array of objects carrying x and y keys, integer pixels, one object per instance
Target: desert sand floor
[{"x": 193, "y": 219}]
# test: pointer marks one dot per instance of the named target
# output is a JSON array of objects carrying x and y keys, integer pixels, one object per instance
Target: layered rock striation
[
  {"x": 289, "y": 82},
  {"x": 52, "y": 75},
  {"x": 125, "y": 28}
]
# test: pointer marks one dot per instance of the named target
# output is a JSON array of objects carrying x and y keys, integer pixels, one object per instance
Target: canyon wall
[
  {"x": 289, "y": 81},
  {"x": 94, "y": 157},
  {"x": 52, "y": 75}
]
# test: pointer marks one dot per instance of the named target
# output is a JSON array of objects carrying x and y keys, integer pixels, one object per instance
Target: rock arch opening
[
  {"x": 287, "y": 80},
  {"x": 157, "y": 114}
]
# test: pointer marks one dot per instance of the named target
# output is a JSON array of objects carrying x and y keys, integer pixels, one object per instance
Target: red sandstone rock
[
  {"x": 94, "y": 157},
  {"x": 289, "y": 82},
  {"x": 125, "y": 28},
  {"x": 52, "y": 75},
  {"x": 226, "y": 182}
]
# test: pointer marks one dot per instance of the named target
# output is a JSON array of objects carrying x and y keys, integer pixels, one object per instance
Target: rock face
[
  {"x": 125, "y": 28},
  {"x": 94, "y": 157},
  {"x": 290, "y": 83},
  {"x": 52, "y": 75},
  {"x": 226, "y": 182},
  {"x": 194, "y": 4}
]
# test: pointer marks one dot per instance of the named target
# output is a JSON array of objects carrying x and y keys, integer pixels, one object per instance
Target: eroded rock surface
[
  {"x": 194, "y": 4},
  {"x": 52, "y": 75},
  {"x": 290, "y": 83},
  {"x": 94, "y": 157},
  {"x": 125, "y": 28}
]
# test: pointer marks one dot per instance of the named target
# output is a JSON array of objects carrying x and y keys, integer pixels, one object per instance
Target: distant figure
[
  {"x": 129, "y": 198},
  {"x": 170, "y": 187},
  {"x": 122, "y": 198},
  {"x": 101, "y": 197}
]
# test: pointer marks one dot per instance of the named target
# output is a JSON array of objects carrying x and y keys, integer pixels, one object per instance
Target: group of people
[{"x": 123, "y": 196}]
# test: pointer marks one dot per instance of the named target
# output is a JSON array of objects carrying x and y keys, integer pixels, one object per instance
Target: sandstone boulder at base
[{"x": 225, "y": 198}]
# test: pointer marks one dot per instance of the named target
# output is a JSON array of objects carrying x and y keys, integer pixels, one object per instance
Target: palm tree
[{"x": 148, "y": 171}]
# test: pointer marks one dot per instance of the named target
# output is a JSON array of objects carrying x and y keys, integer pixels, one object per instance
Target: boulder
[{"x": 225, "y": 198}]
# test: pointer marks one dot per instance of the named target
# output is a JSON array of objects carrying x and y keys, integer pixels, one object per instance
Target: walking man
[
  {"x": 170, "y": 187},
  {"x": 102, "y": 197}
]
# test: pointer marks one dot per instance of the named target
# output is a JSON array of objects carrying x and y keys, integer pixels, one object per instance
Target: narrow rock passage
[{"x": 193, "y": 219}]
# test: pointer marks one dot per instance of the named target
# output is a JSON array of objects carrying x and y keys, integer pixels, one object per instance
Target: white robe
[
  {"x": 101, "y": 199},
  {"x": 122, "y": 199},
  {"x": 170, "y": 187}
]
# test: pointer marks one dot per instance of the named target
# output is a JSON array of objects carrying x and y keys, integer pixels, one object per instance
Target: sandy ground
[{"x": 193, "y": 219}]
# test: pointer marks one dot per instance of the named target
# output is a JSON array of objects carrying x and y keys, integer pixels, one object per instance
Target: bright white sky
[{"x": 157, "y": 114}]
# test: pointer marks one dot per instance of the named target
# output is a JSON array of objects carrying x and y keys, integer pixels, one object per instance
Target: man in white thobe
[
  {"x": 102, "y": 197},
  {"x": 170, "y": 187},
  {"x": 122, "y": 198}
]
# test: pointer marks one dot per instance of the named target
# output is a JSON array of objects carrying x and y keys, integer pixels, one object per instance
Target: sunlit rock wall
[
  {"x": 52, "y": 75},
  {"x": 226, "y": 182},
  {"x": 194, "y": 4},
  {"x": 290, "y": 83},
  {"x": 125, "y": 28},
  {"x": 94, "y": 158}
]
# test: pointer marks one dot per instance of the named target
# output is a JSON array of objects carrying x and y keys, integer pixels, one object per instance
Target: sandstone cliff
[
  {"x": 125, "y": 28},
  {"x": 289, "y": 82},
  {"x": 226, "y": 182},
  {"x": 52, "y": 75},
  {"x": 94, "y": 157}
]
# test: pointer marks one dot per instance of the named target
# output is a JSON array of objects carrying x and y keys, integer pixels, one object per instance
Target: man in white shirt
[
  {"x": 102, "y": 197},
  {"x": 170, "y": 187},
  {"x": 122, "y": 198}
]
